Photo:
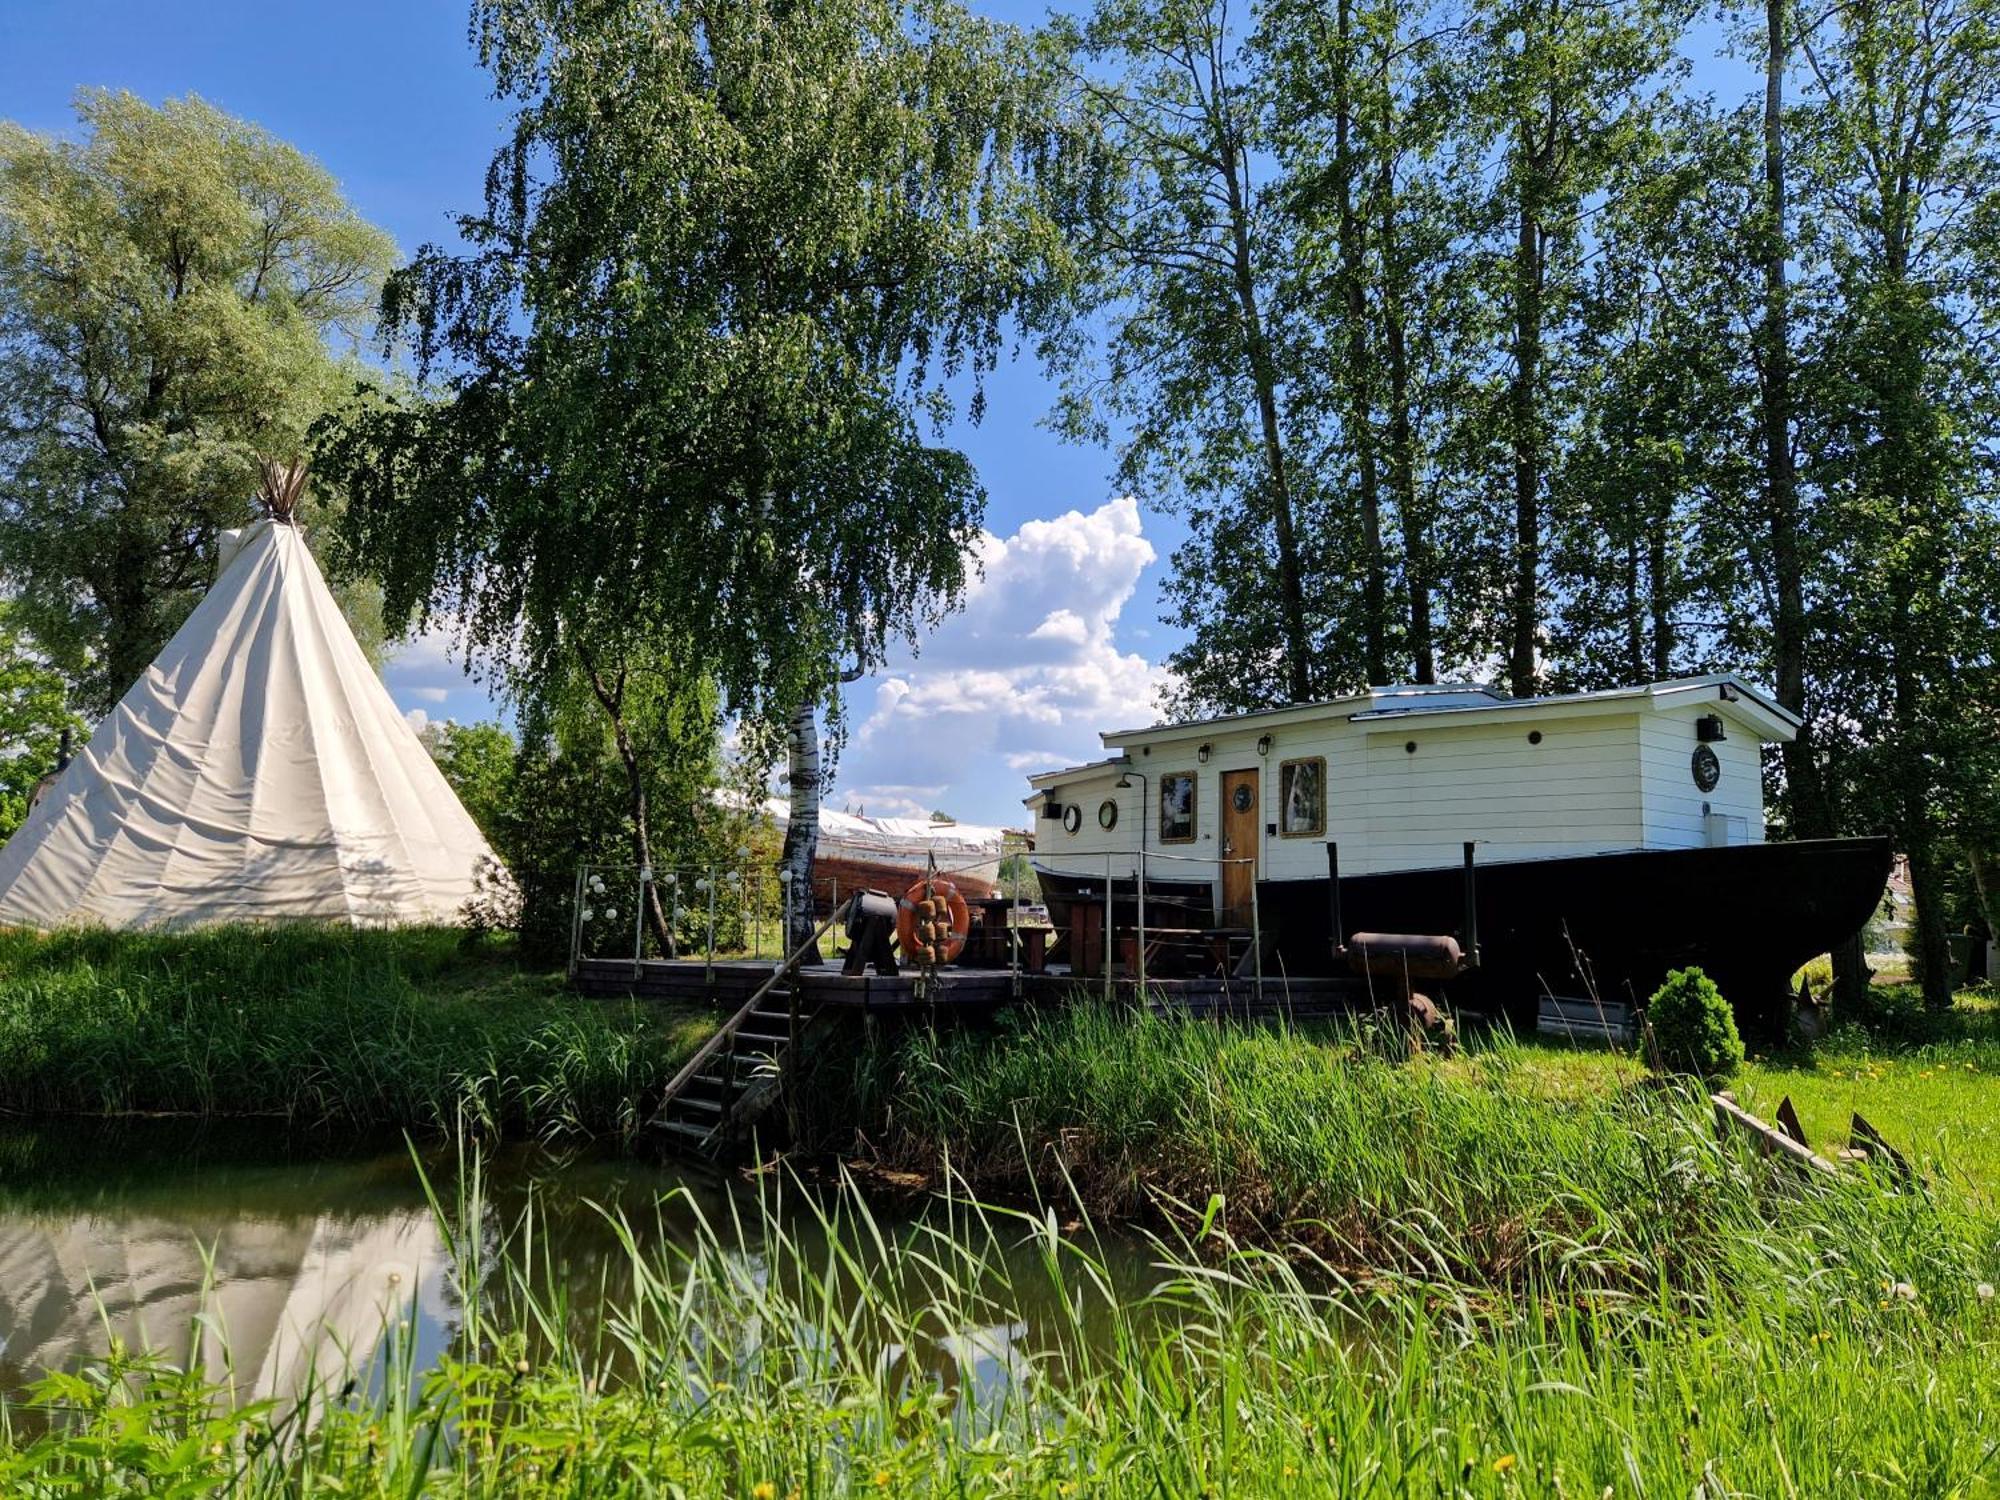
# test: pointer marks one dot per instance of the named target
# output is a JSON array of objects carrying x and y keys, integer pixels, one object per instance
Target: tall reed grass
[
  {"x": 1472, "y": 1172},
  {"x": 323, "y": 1026},
  {"x": 755, "y": 1360}
]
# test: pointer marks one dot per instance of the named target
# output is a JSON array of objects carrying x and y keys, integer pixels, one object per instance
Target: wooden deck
[{"x": 729, "y": 982}]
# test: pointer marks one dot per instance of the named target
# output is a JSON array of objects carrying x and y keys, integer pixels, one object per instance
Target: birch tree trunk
[{"x": 795, "y": 863}]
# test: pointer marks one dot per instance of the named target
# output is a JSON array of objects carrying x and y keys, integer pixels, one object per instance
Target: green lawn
[{"x": 1931, "y": 1085}]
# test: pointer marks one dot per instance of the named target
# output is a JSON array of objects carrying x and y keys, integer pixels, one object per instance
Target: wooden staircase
[{"x": 740, "y": 1073}]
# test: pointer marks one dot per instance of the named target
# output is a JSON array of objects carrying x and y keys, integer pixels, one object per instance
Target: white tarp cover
[{"x": 259, "y": 771}]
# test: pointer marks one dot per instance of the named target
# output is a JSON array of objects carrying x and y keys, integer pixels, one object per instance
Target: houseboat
[{"x": 1613, "y": 836}]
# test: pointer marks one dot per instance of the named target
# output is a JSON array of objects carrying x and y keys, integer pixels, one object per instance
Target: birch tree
[{"x": 734, "y": 264}]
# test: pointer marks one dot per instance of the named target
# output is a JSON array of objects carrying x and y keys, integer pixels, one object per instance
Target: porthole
[
  {"x": 1242, "y": 797},
  {"x": 1707, "y": 768},
  {"x": 1107, "y": 814},
  {"x": 1534, "y": 736},
  {"x": 1409, "y": 747},
  {"x": 1072, "y": 818}
]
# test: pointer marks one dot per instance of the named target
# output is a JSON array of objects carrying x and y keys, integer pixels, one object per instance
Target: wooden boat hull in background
[{"x": 1750, "y": 915}]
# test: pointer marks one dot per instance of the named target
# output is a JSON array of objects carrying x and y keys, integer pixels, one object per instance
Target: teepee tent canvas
[{"x": 258, "y": 771}]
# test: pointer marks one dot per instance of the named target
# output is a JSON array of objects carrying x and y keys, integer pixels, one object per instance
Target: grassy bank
[
  {"x": 323, "y": 1026},
  {"x": 746, "y": 1365},
  {"x": 1513, "y": 1167}
]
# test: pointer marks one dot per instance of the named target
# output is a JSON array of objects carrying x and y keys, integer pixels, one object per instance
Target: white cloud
[
  {"x": 417, "y": 719},
  {"x": 428, "y": 694},
  {"x": 1024, "y": 678}
]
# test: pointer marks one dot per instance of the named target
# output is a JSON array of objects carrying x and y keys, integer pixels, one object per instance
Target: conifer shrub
[{"x": 1693, "y": 1026}]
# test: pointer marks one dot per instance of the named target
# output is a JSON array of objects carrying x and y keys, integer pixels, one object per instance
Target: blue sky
[{"x": 1060, "y": 640}]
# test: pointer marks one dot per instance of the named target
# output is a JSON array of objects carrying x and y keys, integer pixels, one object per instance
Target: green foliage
[
  {"x": 323, "y": 1026},
  {"x": 168, "y": 285},
  {"x": 478, "y": 761},
  {"x": 677, "y": 389},
  {"x": 34, "y": 711},
  {"x": 1693, "y": 1026}
]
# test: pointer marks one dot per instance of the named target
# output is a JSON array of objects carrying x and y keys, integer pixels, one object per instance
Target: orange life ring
[{"x": 932, "y": 921}]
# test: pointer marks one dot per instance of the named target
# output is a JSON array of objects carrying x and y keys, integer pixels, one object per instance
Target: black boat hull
[{"x": 1611, "y": 925}]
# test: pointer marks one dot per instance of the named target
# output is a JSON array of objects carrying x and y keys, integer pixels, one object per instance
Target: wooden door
[{"x": 1241, "y": 810}]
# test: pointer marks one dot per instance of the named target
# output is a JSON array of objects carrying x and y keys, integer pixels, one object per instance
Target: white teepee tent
[{"x": 259, "y": 771}]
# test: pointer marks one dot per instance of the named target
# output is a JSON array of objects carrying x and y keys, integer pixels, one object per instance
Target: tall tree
[
  {"x": 1563, "y": 85},
  {"x": 1184, "y": 238},
  {"x": 1899, "y": 161},
  {"x": 729, "y": 260},
  {"x": 169, "y": 284}
]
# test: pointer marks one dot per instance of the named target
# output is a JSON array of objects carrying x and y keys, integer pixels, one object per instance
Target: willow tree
[
  {"x": 685, "y": 380},
  {"x": 173, "y": 283}
]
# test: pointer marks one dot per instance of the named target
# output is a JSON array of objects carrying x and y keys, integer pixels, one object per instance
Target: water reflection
[{"x": 280, "y": 1267}]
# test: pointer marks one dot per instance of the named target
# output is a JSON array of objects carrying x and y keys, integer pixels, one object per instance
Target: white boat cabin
[{"x": 1401, "y": 777}]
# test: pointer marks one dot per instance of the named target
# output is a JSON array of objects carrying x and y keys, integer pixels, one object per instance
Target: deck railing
[{"x": 763, "y": 898}]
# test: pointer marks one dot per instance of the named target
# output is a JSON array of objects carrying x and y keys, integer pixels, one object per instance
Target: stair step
[
  {"x": 702, "y": 1133},
  {"x": 758, "y": 1036},
  {"x": 779, "y": 1017},
  {"x": 689, "y": 1101}
]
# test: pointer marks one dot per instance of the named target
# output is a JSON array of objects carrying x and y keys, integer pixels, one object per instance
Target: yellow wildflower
[
  {"x": 881, "y": 1479},
  {"x": 1503, "y": 1463},
  {"x": 765, "y": 1490}
]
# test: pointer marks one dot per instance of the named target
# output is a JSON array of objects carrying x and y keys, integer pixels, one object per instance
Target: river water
[{"x": 275, "y": 1262}]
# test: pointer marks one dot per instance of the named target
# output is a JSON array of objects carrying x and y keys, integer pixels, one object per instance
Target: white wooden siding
[
  {"x": 1577, "y": 792},
  {"x": 1675, "y": 808},
  {"x": 1614, "y": 777}
]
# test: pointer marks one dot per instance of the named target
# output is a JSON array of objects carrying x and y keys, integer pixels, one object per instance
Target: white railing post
[
  {"x": 576, "y": 918},
  {"x": 639, "y": 920},
  {"x": 1142, "y": 924},
  {"x": 1110, "y": 926},
  {"x": 708, "y": 946}
]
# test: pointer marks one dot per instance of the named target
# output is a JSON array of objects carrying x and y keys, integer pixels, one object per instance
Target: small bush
[{"x": 1693, "y": 1026}]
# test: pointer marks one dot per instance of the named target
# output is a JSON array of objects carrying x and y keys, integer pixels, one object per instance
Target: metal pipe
[
  {"x": 1471, "y": 935},
  {"x": 576, "y": 920},
  {"x": 1335, "y": 928},
  {"x": 1142, "y": 914},
  {"x": 1145, "y": 795},
  {"x": 1110, "y": 926},
  {"x": 708, "y": 963},
  {"x": 639, "y": 920},
  {"x": 1256, "y": 934}
]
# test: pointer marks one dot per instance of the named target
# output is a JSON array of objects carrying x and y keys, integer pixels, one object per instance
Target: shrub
[{"x": 1693, "y": 1026}]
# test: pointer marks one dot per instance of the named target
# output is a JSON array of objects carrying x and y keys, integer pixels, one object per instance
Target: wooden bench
[{"x": 1586, "y": 1020}]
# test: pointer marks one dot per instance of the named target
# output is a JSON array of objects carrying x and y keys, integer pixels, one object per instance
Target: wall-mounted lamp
[
  {"x": 1727, "y": 692},
  {"x": 1202, "y": 755},
  {"x": 1263, "y": 744},
  {"x": 1708, "y": 729}
]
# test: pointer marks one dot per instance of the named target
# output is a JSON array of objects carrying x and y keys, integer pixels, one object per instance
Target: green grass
[
  {"x": 323, "y": 1026},
  {"x": 751, "y": 1363},
  {"x": 1516, "y": 1167}
]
